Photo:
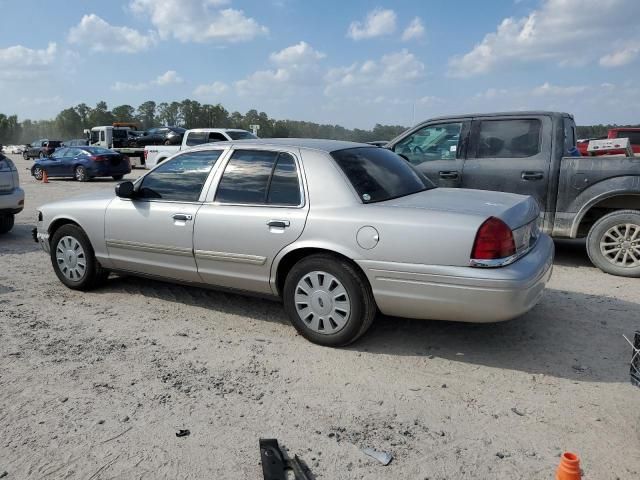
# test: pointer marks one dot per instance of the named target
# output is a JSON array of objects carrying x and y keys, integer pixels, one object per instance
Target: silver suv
[{"x": 11, "y": 195}]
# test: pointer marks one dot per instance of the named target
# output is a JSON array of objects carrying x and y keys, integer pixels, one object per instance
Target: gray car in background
[
  {"x": 11, "y": 195},
  {"x": 337, "y": 230}
]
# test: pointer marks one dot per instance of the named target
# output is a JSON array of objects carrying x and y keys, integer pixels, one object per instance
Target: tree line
[{"x": 71, "y": 122}]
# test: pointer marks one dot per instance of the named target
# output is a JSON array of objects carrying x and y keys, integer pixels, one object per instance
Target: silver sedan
[{"x": 337, "y": 230}]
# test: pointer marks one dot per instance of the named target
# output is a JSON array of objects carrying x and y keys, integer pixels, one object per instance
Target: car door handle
[
  {"x": 532, "y": 175},
  {"x": 279, "y": 223},
  {"x": 184, "y": 217},
  {"x": 448, "y": 175}
]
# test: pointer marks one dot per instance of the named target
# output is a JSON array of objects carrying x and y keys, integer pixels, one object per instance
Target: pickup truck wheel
[
  {"x": 41, "y": 155},
  {"x": 25, "y": 155},
  {"x": 80, "y": 174},
  {"x": 613, "y": 243},
  {"x": 73, "y": 259},
  {"x": 6, "y": 223},
  {"x": 328, "y": 301}
]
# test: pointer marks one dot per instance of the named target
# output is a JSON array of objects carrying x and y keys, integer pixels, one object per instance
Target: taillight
[
  {"x": 97, "y": 158},
  {"x": 494, "y": 240}
]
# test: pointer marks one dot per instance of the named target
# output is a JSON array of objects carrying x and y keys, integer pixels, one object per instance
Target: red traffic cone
[
  {"x": 569, "y": 468},
  {"x": 45, "y": 177}
]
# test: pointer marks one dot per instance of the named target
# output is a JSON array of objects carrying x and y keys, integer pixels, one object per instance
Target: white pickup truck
[{"x": 154, "y": 154}]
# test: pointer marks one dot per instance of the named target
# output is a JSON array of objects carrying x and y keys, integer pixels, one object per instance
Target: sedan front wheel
[
  {"x": 73, "y": 259},
  {"x": 328, "y": 300}
]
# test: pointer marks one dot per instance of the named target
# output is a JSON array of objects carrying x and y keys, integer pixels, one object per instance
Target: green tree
[
  {"x": 69, "y": 124},
  {"x": 124, "y": 113},
  {"x": 146, "y": 114},
  {"x": 100, "y": 115}
]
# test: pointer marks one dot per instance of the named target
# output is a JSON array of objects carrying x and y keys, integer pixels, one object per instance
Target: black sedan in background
[
  {"x": 83, "y": 164},
  {"x": 40, "y": 148},
  {"x": 159, "y": 136}
]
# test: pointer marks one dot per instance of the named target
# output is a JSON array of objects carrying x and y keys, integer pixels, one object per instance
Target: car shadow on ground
[{"x": 18, "y": 240}]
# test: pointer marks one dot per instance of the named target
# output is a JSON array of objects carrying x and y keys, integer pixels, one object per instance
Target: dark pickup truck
[{"x": 527, "y": 153}]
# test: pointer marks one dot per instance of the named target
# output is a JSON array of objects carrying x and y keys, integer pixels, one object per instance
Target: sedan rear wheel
[
  {"x": 6, "y": 222},
  {"x": 613, "y": 243},
  {"x": 328, "y": 300},
  {"x": 73, "y": 259},
  {"x": 80, "y": 174}
]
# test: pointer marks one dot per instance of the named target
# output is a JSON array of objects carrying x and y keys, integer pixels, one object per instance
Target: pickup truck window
[
  {"x": 518, "y": 138},
  {"x": 433, "y": 142},
  {"x": 196, "y": 138},
  {"x": 181, "y": 178},
  {"x": 634, "y": 137},
  {"x": 241, "y": 135}
]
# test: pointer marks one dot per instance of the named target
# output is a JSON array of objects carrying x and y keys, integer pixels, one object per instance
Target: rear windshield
[
  {"x": 241, "y": 135},
  {"x": 378, "y": 174}
]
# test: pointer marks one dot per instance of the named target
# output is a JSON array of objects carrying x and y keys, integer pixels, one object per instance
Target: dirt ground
[{"x": 96, "y": 385}]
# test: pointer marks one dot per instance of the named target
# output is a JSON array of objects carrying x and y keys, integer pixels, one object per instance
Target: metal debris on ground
[
  {"x": 183, "y": 433},
  {"x": 276, "y": 464},
  {"x": 383, "y": 457}
]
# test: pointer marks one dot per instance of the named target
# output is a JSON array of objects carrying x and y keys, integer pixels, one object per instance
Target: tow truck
[{"x": 118, "y": 137}]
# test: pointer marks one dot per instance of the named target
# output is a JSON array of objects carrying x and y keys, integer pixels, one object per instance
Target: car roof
[
  {"x": 523, "y": 113},
  {"x": 305, "y": 143},
  {"x": 207, "y": 130}
]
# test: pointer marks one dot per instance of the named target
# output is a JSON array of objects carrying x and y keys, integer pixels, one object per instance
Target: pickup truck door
[
  {"x": 153, "y": 232},
  {"x": 258, "y": 209},
  {"x": 509, "y": 154},
  {"x": 437, "y": 150}
]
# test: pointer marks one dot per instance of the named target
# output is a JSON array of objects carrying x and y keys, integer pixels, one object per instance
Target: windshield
[
  {"x": 241, "y": 135},
  {"x": 97, "y": 150},
  {"x": 378, "y": 174}
]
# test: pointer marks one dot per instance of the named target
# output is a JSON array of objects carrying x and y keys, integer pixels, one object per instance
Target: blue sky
[{"x": 353, "y": 63}]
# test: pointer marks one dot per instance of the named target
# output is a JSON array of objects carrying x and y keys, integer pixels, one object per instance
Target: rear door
[
  {"x": 509, "y": 154},
  {"x": 437, "y": 150},
  {"x": 258, "y": 209}
]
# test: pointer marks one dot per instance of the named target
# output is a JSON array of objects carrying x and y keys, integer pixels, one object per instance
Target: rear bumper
[
  {"x": 12, "y": 203},
  {"x": 462, "y": 294},
  {"x": 110, "y": 170}
]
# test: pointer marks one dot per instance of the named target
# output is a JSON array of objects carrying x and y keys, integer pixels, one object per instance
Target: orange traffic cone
[
  {"x": 45, "y": 177},
  {"x": 569, "y": 468}
]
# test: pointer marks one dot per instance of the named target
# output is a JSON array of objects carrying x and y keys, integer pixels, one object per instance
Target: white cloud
[
  {"x": 297, "y": 68},
  {"x": 377, "y": 23},
  {"x": 170, "y": 77},
  {"x": 98, "y": 35},
  {"x": 547, "y": 89},
  {"x": 301, "y": 52},
  {"x": 392, "y": 70},
  {"x": 19, "y": 62},
  {"x": 567, "y": 32},
  {"x": 620, "y": 57},
  {"x": 213, "y": 89},
  {"x": 414, "y": 30},
  {"x": 198, "y": 21}
]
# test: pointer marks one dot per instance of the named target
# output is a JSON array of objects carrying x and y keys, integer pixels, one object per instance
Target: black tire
[
  {"x": 167, "y": 142},
  {"x": 362, "y": 304},
  {"x": 118, "y": 177},
  {"x": 37, "y": 172},
  {"x": 6, "y": 223},
  {"x": 80, "y": 174},
  {"x": 41, "y": 155},
  {"x": 601, "y": 231},
  {"x": 25, "y": 155},
  {"x": 93, "y": 275}
]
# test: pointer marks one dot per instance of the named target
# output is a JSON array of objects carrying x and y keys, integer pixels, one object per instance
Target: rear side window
[
  {"x": 378, "y": 174},
  {"x": 509, "y": 138},
  {"x": 181, "y": 178},
  {"x": 196, "y": 138},
  {"x": 258, "y": 177}
]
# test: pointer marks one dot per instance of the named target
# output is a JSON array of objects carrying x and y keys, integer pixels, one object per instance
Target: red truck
[{"x": 633, "y": 134}]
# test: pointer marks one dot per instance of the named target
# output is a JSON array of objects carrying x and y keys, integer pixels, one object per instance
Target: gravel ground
[{"x": 96, "y": 385}]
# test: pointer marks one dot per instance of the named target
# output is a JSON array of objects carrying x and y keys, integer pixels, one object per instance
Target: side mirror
[{"x": 125, "y": 190}]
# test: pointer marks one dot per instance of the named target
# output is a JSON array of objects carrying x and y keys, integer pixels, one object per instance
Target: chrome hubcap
[
  {"x": 37, "y": 173},
  {"x": 71, "y": 259},
  {"x": 79, "y": 173},
  {"x": 322, "y": 302},
  {"x": 620, "y": 245}
]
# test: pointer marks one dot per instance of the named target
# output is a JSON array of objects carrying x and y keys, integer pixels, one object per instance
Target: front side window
[
  {"x": 433, "y": 142},
  {"x": 258, "y": 177},
  {"x": 241, "y": 135},
  {"x": 181, "y": 178},
  {"x": 516, "y": 138},
  {"x": 378, "y": 174}
]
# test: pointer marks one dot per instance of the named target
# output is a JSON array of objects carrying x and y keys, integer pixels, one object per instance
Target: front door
[
  {"x": 258, "y": 209},
  {"x": 153, "y": 232},
  {"x": 510, "y": 155},
  {"x": 437, "y": 150}
]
